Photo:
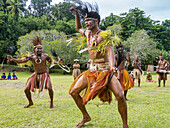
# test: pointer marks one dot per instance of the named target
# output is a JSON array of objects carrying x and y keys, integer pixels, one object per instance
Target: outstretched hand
[
  {"x": 9, "y": 58},
  {"x": 61, "y": 60},
  {"x": 114, "y": 69}
]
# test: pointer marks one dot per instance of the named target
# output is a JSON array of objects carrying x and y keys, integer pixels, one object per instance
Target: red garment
[{"x": 38, "y": 81}]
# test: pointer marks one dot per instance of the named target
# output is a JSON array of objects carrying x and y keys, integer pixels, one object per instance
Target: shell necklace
[{"x": 93, "y": 42}]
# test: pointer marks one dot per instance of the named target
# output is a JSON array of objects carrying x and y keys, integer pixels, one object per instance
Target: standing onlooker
[{"x": 76, "y": 69}]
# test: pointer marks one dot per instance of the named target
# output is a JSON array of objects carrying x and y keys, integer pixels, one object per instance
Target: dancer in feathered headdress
[
  {"x": 162, "y": 69},
  {"x": 40, "y": 78},
  {"x": 122, "y": 74},
  {"x": 99, "y": 80},
  {"x": 137, "y": 71},
  {"x": 37, "y": 48}
]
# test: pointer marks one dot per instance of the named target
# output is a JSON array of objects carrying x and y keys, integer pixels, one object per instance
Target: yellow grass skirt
[{"x": 97, "y": 85}]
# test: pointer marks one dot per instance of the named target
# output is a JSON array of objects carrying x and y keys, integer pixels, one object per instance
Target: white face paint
[
  {"x": 39, "y": 49},
  {"x": 90, "y": 24}
]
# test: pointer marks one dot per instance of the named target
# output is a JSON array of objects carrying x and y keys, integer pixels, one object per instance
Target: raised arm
[
  {"x": 133, "y": 64},
  {"x": 51, "y": 60},
  {"x": 166, "y": 65},
  {"x": 139, "y": 64},
  {"x": 10, "y": 58},
  {"x": 77, "y": 20},
  {"x": 128, "y": 58}
]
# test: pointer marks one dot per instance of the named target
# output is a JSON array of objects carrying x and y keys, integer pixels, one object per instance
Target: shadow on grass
[{"x": 88, "y": 125}]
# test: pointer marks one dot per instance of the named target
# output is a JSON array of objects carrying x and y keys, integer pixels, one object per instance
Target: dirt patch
[
  {"x": 157, "y": 93},
  {"x": 12, "y": 84}
]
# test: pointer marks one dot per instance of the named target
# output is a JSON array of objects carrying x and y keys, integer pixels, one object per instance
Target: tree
[
  {"x": 116, "y": 29},
  {"x": 15, "y": 8},
  {"x": 134, "y": 20},
  {"x": 109, "y": 21},
  {"x": 67, "y": 27},
  {"x": 142, "y": 45},
  {"x": 61, "y": 11},
  {"x": 51, "y": 39},
  {"x": 5, "y": 41},
  {"x": 40, "y": 7},
  {"x": 4, "y": 4}
]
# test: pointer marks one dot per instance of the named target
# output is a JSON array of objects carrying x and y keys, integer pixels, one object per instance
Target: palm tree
[
  {"x": 4, "y": 5},
  {"x": 15, "y": 8}
]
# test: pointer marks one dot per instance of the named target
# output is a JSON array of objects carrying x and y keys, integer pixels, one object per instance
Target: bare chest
[{"x": 162, "y": 63}]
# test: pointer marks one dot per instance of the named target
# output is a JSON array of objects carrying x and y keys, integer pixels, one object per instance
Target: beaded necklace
[{"x": 92, "y": 41}]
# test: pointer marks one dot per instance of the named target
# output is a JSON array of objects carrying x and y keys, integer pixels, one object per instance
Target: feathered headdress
[
  {"x": 119, "y": 44},
  {"x": 36, "y": 41},
  {"x": 87, "y": 10},
  {"x": 136, "y": 56},
  {"x": 160, "y": 54}
]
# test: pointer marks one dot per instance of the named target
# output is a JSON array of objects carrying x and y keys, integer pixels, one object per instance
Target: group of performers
[{"x": 106, "y": 72}]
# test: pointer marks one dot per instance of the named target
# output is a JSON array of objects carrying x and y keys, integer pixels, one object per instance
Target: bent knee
[
  {"x": 50, "y": 89},
  {"x": 120, "y": 97},
  {"x": 73, "y": 93},
  {"x": 26, "y": 89}
]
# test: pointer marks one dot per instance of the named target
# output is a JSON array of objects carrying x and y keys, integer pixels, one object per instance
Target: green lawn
[{"x": 149, "y": 106}]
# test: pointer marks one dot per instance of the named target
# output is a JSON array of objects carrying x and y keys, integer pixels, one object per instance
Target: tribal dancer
[
  {"x": 122, "y": 74},
  {"x": 40, "y": 78},
  {"x": 162, "y": 65},
  {"x": 76, "y": 69},
  {"x": 96, "y": 80},
  {"x": 137, "y": 71}
]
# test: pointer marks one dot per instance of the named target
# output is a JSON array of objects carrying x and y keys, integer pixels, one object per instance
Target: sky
[{"x": 156, "y": 9}]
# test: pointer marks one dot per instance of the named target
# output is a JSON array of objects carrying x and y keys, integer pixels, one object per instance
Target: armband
[{"x": 27, "y": 58}]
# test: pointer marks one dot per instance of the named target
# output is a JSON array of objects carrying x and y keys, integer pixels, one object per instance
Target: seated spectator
[
  {"x": 9, "y": 76},
  {"x": 14, "y": 77},
  {"x": 149, "y": 77},
  {"x": 3, "y": 77}
]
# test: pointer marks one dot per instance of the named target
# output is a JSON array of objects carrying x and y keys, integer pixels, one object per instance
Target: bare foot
[
  {"x": 83, "y": 122},
  {"x": 30, "y": 104},
  {"x": 158, "y": 86},
  {"x": 51, "y": 105},
  {"x": 126, "y": 99},
  {"x": 125, "y": 126}
]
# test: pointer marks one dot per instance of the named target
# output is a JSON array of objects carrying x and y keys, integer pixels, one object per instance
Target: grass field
[{"x": 149, "y": 106}]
